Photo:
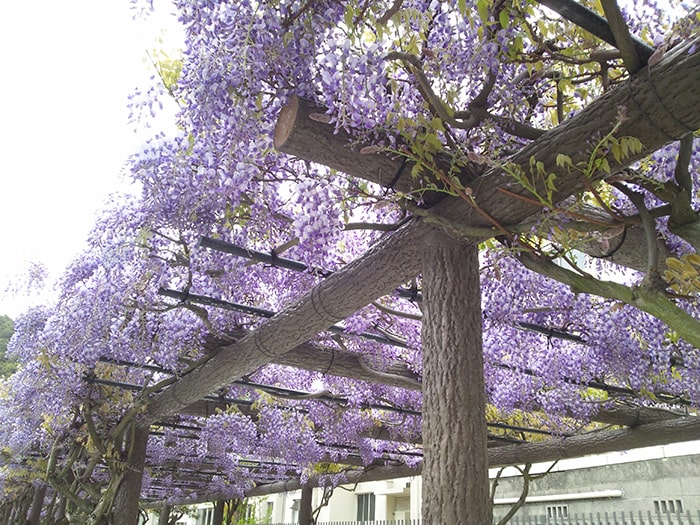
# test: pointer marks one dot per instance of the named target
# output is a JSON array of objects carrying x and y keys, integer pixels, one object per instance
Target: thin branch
[
  {"x": 398, "y": 313},
  {"x": 439, "y": 108},
  {"x": 481, "y": 99},
  {"x": 513, "y": 127},
  {"x": 622, "y": 35},
  {"x": 390, "y": 12},
  {"x": 652, "y": 276},
  {"x": 495, "y": 483},
  {"x": 682, "y": 173},
  {"x": 571, "y": 214},
  {"x": 523, "y": 495},
  {"x": 371, "y": 226},
  {"x": 647, "y": 299},
  {"x": 593, "y": 23}
]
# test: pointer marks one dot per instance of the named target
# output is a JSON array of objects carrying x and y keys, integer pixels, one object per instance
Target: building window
[
  {"x": 365, "y": 507},
  {"x": 206, "y": 516},
  {"x": 557, "y": 511},
  {"x": 665, "y": 506}
]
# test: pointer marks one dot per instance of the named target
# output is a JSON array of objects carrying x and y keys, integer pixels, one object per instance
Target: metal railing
[{"x": 606, "y": 518}]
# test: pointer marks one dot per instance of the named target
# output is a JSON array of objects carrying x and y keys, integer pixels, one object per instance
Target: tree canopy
[
  {"x": 7, "y": 366},
  {"x": 256, "y": 314}
]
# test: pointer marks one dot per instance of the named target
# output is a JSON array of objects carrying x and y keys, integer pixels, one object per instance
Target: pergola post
[
  {"x": 34, "y": 517},
  {"x": 164, "y": 516},
  {"x": 305, "y": 506},
  {"x": 218, "y": 517},
  {"x": 455, "y": 462},
  {"x": 126, "y": 508}
]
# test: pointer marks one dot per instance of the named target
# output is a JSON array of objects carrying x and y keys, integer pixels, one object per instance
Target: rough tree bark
[
  {"x": 126, "y": 502},
  {"x": 306, "y": 506},
  {"x": 300, "y": 131},
  {"x": 455, "y": 460}
]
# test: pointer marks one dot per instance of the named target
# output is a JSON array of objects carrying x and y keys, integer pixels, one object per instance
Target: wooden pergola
[
  {"x": 457, "y": 445},
  {"x": 661, "y": 104}
]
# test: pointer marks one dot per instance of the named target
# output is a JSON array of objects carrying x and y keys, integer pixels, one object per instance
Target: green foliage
[
  {"x": 7, "y": 366},
  {"x": 542, "y": 184},
  {"x": 683, "y": 275},
  {"x": 168, "y": 68},
  {"x": 248, "y": 514}
]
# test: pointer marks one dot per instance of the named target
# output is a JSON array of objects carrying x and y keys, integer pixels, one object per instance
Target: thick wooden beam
[
  {"x": 662, "y": 433},
  {"x": 335, "y": 298},
  {"x": 659, "y": 106},
  {"x": 302, "y": 131},
  {"x": 336, "y": 362}
]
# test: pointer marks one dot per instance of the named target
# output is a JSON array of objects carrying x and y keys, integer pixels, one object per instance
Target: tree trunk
[
  {"x": 455, "y": 460},
  {"x": 218, "y": 518},
  {"x": 305, "y": 506},
  {"x": 164, "y": 516},
  {"x": 37, "y": 505},
  {"x": 126, "y": 501}
]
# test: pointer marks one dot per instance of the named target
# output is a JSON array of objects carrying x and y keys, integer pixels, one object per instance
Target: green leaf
[
  {"x": 617, "y": 151},
  {"x": 483, "y": 9},
  {"x": 349, "y": 17},
  {"x": 436, "y": 124},
  {"x": 564, "y": 161},
  {"x": 504, "y": 19},
  {"x": 462, "y": 6}
]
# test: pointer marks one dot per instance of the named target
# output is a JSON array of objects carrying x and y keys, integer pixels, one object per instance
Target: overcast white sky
[{"x": 67, "y": 70}]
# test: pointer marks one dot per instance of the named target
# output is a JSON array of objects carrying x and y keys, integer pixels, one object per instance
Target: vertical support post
[
  {"x": 306, "y": 506},
  {"x": 455, "y": 462},
  {"x": 218, "y": 518},
  {"x": 126, "y": 501},
  {"x": 164, "y": 516},
  {"x": 37, "y": 505}
]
